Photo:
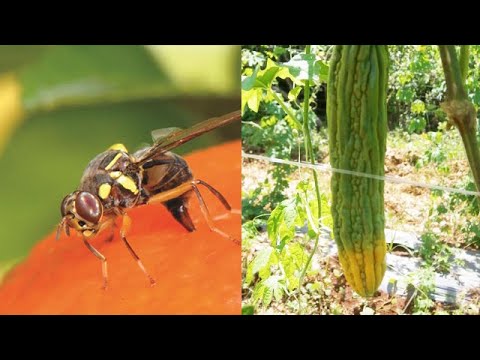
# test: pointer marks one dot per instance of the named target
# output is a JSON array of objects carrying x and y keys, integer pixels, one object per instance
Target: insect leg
[
  {"x": 110, "y": 224},
  {"x": 112, "y": 232},
  {"x": 216, "y": 193},
  {"x": 207, "y": 216},
  {"x": 102, "y": 258},
  {"x": 126, "y": 223},
  {"x": 60, "y": 227},
  {"x": 170, "y": 194}
]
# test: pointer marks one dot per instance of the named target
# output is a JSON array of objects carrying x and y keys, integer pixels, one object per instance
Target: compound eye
[
  {"x": 88, "y": 207},
  {"x": 63, "y": 207}
]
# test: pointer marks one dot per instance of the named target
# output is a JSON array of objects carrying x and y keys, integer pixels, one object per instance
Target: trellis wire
[{"x": 387, "y": 178}]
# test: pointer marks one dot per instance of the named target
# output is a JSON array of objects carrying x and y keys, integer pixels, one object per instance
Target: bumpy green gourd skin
[{"x": 357, "y": 126}]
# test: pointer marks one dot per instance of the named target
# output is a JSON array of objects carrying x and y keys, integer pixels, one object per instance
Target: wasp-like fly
[{"x": 116, "y": 180}]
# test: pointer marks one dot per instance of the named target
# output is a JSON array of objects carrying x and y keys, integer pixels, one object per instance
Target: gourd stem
[
  {"x": 459, "y": 108},
  {"x": 309, "y": 151}
]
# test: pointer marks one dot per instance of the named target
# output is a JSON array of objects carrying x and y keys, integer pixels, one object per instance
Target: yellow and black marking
[
  {"x": 127, "y": 183},
  {"x": 114, "y": 161},
  {"x": 123, "y": 180},
  {"x": 119, "y": 147},
  {"x": 112, "y": 158},
  {"x": 115, "y": 174},
  {"x": 104, "y": 190}
]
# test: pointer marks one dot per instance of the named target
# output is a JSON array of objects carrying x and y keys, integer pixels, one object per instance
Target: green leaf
[
  {"x": 267, "y": 296},
  {"x": 268, "y": 76},
  {"x": 301, "y": 66},
  {"x": 279, "y": 50},
  {"x": 297, "y": 252},
  {"x": 293, "y": 262},
  {"x": 255, "y": 99},
  {"x": 248, "y": 310},
  {"x": 261, "y": 259},
  {"x": 278, "y": 293},
  {"x": 13, "y": 57},
  {"x": 405, "y": 77},
  {"x": 249, "y": 81},
  {"x": 293, "y": 94},
  {"x": 321, "y": 69},
  {"x": 293, "y": 280},
  {"x": 405, "y": 94},
  {"x": 258, "y": 292},
  {"x": 418, "y": 107},
  {"x": 252, "y": 98},
  {"x": 249, "y": 275},
  {"x": 281, "y": 223},
  {"x": 289, "y": 215},
  {"x": 273, "y": 222},
  {"x": 417, "y": 124},
  {"x": 273, "y": 286},
  {"x": 266, "y": 271},
  {"x": 79, "y": 75},
  {"x": 200, "y": 70}
]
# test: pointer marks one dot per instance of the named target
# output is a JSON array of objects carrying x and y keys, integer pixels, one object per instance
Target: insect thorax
[{"x": 114, "y": 178}]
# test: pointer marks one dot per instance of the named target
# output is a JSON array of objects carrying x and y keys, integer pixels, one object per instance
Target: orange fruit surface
[{"x": 195, "y": 273}]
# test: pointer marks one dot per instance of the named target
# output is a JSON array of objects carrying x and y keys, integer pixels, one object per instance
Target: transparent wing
[
  {"x": 159, "y": 134},
  {"x": 170, "y": 138}
]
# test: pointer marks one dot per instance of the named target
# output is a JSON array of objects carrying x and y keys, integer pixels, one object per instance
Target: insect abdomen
[{"x": 170, "y": 170}]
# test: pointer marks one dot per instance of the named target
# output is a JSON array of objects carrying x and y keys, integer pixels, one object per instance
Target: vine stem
[
  {"x": 285, "y": 107},
  {"x": 310, "y": 155},
  {"x": 458, "y": 106},
  {"x": 464, "y": 56}
]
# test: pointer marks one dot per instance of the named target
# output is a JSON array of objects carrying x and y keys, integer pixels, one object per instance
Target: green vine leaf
[
  {"x": 261, "y": 260},
  {"x": 249, "y": 82}
]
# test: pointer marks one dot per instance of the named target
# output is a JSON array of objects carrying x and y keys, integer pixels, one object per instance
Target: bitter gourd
[{"x": 357, "y": 127}]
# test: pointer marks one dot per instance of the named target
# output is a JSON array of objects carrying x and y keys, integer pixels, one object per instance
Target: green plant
[
  {"x": 421, "y": 134},
  {"x": 435, "y": 153},
  {"x": 303, "y": 70},
  {"x": 421, "y": 285},
  {"x": 276, "y": 270},
  {"x": 457, "y": 210},
  {"x": 435, "y": 253},
  {"x": 275, "y": 137},
  {"x": 472, "y": 229}
]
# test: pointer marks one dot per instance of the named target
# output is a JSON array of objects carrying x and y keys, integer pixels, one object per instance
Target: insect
[{"x": 116, "y": 180}]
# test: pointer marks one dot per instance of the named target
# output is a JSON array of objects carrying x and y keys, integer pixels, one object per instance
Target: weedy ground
[{"x": 442, "y": 220}]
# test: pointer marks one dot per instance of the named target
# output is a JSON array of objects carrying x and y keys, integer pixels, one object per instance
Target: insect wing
[
  {"x": 170, "y": 138},
  {"x": 160, "y": 134}
]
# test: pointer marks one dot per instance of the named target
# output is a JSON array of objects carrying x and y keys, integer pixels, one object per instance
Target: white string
[{"x": 388, "y": 178}]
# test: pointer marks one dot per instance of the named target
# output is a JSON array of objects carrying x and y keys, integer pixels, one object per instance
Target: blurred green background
[{"x": 62, "y": 105}]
